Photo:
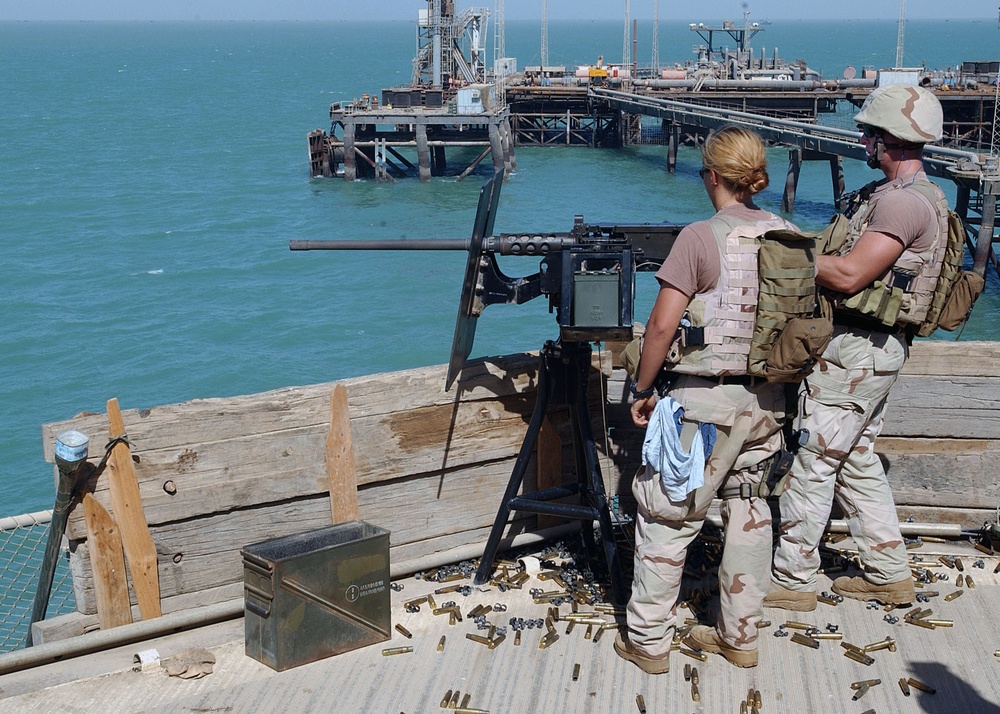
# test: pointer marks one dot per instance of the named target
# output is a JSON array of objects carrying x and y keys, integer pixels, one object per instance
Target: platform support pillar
[
  {"x": 496, "y": 146},
  {"x": 423, "y": 154},
  {"x": 837, "y": 176},
  {"x": 791, "y": 180},
  {"x": 350, "y": 167}
]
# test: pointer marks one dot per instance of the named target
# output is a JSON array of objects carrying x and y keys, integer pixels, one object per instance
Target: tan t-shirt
[
  {"x": 694, "y": 264},
  {"x": 905, "y": 215}
]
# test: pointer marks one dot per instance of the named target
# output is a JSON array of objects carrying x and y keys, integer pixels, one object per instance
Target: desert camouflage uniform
[
  {"x": 748, "y": 432},
  {"x": 842, "y": 407}
]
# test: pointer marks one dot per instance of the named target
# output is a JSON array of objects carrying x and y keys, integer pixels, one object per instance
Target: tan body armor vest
[
  {"x": 904, "y": 296},
  {"x": 717, "y": 341}
]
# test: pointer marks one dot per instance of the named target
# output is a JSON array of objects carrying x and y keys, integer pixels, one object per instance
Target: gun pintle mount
[{"x": 588, "y": 273}]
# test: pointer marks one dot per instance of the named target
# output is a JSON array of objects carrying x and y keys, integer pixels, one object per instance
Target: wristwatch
[{"x": 640, "y": 393}]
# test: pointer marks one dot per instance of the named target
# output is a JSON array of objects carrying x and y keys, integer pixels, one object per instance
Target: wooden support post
[
  {"x": 473, "y": 165},
  {"x": 423, "y": 154},
  {"x": 371, "y": 162},
  {"x": 439, "y": 164},
  {"x": 140, "y": 551},
  {"x": 837, "y": 176},
  {"x": 548, "y": 455},
  {"x": 984, "y": 243},
  {"x": 791, "y": 180},
  {"x": 496, "y": 148},
  {"x": 673, "y": 139},
  {"x": 104, "y": 541},
  {"x": 350, "y": 168},
  {"x": 340, "y": 460}
]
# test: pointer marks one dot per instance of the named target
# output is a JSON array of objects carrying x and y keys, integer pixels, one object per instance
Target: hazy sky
[{"x": 707, "y": 10}]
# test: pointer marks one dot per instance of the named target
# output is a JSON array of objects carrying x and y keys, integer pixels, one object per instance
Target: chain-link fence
[{"x": 22, "y": 548}]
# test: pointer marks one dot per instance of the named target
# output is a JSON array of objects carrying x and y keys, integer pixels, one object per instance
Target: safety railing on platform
[{"x": 22, "y": 548}]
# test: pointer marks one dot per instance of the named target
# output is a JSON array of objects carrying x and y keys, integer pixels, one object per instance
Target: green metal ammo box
[{"x": 316, "y": 594}]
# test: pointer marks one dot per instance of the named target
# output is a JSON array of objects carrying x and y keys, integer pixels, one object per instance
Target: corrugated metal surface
[{"x": 957, "y": 661}]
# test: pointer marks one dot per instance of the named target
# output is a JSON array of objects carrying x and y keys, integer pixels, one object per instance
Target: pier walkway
[{"x": 976, "y": 178}]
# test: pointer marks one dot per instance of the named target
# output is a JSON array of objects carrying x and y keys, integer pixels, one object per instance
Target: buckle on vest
[
  {"x": 693, "y": 336},
  {"x": 901, "y": 280}
]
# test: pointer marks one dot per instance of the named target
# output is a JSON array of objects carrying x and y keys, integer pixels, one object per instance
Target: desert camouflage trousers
[
  {"x": 843, "y": 407},
  {"x": 748, "y": 422}
]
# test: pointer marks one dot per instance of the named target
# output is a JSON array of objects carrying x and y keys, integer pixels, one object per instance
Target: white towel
[{"x": 681, "y": 473}]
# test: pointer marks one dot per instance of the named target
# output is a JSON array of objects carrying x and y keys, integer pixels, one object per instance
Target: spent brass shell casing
[
  {"x": 599, "y": 634},
  {"x": 430, "y": 601},
  {"x": 465, "y": 710},
  {"x": 570, "y": 626},
  {"x": 763, "y": 624},
  {"x": 547, "y": 641},
  {"x": 960, "y": 581},
  {"x": 869, "y": 682},
  {"x": 695, "y": 694},
  {"x": 453, "y": 704},
  {"x": 826, "y": 600},
  {"x": 687, "y": 672},
  {"x": 887, "y": 644},
  {"x": 793, "y": 625},
  {"x": 758, "y": 701},
  {"x": 996, "y": 569},
  {"x": 849, "y": 646},
  {"x": 959, "y": 564},
  {"x": 701, "y": 657},
  {"x": 904, "y": 687},
  {"x": 404, "y": 632},
  {"x": 862, "y": 691},
  {"x": 441, "y": 643},
  {"x": 496, "y": 643},
  {"x": 921, "y": 622},
  {"x": 576, "y": 672},
  {"x": 492, "y": 631},
  {"x": 448, "y": 589},
  {"x": 743, "y": 708},
  {"x": 806, "y": 640},
  {"x": 951, "y": 596},
  {"x": 968, "y": 582},
  {"x": 868, "y": 711},
  {"x": 445, "y": 699},
  {"x": 859, "y": 657},
  {"x": 477, "y": 638},
  {"x": 983, "y": 549},
  {"x": 451, "y": 578},
  {"x": 691, "y": 644},
  {"x": 465, "y": 701},
  {"x": 415, "y": 602},
  {"x": 694, "y": 676},
  {"x": 917, "y": 684},
  {"x": 589, "y": 633},
  {"x": 827, "y": 635},
  {"x": 942, "y": 623},
  {"x": 640, "y": 702},
  {"x": 389, "y": 651}
]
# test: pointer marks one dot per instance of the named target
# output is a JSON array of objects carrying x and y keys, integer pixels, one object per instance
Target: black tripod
[{"x": 563, "y": 376}]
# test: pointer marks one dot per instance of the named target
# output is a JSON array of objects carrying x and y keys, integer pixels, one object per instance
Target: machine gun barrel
[{"x": 417, "y": 244}]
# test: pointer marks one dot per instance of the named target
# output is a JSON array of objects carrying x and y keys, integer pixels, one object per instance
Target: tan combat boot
[
  {"x": 708, "y": 639},
  {"x": 898, "y": 593},
  {"x": 649, "y": 665},
  {"x": 784, "y": 599}
]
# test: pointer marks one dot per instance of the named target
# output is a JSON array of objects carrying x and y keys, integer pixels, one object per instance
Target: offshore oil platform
[{"x": 455, "y": 99}]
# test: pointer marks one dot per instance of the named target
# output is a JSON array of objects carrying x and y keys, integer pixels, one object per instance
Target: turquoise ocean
[{"x": 153, "y": 174}]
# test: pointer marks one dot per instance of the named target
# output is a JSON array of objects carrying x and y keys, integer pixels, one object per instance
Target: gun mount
[{"x": 588, "y": 273}]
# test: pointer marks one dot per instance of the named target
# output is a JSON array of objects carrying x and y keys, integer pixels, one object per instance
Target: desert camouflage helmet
[{"x": 911, "y": 114}]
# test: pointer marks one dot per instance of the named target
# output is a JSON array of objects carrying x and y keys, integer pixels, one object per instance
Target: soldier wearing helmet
[{"x": 880, "y": 279}]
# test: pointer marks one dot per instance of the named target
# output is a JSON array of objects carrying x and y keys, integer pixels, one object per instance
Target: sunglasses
[
  {"x": 704, "y": 171},
  {"x": 869, "y": 131}
]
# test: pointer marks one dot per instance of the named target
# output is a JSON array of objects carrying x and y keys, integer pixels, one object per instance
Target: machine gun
[{"x": 588, "y": 274}]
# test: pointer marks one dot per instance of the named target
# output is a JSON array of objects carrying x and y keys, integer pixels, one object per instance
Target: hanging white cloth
[{"x": 680, "y": 472}]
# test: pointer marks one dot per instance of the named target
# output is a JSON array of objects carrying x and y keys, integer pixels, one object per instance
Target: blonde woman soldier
[{"x": 710, "y": 280}]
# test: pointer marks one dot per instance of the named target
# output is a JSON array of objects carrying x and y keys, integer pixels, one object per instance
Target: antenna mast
[
  {"x": 545, "y": 34},
  {"x": 656, "y": 39},
  {"x": 899, "y": 37},
  {"x": 627, "y": 43}
]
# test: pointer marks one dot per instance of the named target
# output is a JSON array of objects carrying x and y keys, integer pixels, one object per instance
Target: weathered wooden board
[
  {"x": 200, "y": 553},
  {"x": 107, "y": 561},
  {"x": 950, "y": 407},
  {"x": 957, "y": 473},
  {"x": 340, "y": 460}
]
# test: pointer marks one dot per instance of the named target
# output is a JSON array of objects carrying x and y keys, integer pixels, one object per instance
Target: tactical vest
[
  {"x": 718, "y": 325},
  {"x": 905, "y": 296}
]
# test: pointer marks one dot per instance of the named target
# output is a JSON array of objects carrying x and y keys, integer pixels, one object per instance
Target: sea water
[{"x": 153, "y": 174}]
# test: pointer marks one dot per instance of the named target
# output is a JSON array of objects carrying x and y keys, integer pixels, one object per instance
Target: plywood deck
[{"x": 957, "y": 661}]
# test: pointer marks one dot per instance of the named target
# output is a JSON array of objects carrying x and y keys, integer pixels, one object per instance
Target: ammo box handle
[{"x": 254, "y": 593}]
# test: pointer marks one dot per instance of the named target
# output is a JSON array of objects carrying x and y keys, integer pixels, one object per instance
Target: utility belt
[
  {"x": 772, "y": 471},
  {"x": 860, "y": 322},
  {"x": 746, "y": 380}
]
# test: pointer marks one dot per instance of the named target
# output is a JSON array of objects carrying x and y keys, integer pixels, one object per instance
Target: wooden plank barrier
[{"x": 432, "y": 467}]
